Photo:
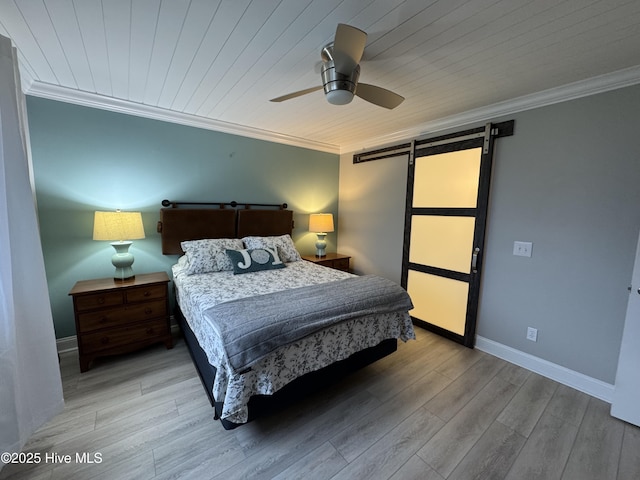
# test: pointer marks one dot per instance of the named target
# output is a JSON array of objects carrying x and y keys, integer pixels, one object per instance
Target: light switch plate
[{"x": 522, "y": 249}]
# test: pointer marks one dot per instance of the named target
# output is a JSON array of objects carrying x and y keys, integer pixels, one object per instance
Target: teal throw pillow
[{"x": 254, "y": 260}]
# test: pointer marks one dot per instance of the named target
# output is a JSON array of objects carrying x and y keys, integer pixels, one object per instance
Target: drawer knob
[
  {"x": 103, "y": 320},
  {"x": 101, "y": 300},
  {"x": 148, "y": 311},
  {"x": 104, "y": 340},
  {"x": 150, "y": 331},
  {"x": 147, "y": 293}
]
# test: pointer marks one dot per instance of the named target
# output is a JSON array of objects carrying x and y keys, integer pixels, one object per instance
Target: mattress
[{"x": 197, "y": 293}]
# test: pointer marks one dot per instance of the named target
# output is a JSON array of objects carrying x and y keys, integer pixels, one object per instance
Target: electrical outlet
[
  {"x": 532, "y": 334},
  {"x": 522, "y": 249}
]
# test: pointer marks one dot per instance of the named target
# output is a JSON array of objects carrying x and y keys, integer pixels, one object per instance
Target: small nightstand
[
  {"x": 114, "y": 317},
  {"x": 333, "y": 260}
]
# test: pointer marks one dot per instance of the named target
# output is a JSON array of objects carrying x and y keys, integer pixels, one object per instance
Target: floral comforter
[{"x": 197, "y": 293}]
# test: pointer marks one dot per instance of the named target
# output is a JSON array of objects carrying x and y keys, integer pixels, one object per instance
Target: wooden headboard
[{"x": 228, "y": 220}]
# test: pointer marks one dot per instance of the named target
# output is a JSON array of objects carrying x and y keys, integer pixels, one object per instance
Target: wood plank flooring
[{"x": 433, "y": 410}]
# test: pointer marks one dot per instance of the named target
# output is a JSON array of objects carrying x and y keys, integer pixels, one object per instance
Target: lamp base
[
  {"x": 321, "y": 245},
  {"x": 122, "y": 260}
]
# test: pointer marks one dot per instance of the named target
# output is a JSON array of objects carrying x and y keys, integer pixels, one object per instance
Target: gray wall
[
  {"x": 87, "y": 159},
  {"x": 371, "y": 223},
  {"x": 568, "y": 181}
]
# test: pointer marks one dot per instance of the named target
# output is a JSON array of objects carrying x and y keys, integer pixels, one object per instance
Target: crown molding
[
  {"x": 600, "y": 84},
  {"x": 26, "y": 80},
  {"x": 93, "y": 100},
  {"x": 583, "y": 88}
]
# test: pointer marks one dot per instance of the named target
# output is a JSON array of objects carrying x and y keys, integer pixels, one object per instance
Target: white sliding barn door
[{"x": 626, "y": 395}]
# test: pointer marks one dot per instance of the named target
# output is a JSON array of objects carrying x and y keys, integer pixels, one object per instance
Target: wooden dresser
[
  {"x": 333, "y": 260},
  {"x": 114, "y": 317}
]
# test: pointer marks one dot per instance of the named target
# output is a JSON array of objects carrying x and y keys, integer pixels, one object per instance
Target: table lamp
[
  {"x": 321, "y": 223},
  {"x": 123, "y": 227}
]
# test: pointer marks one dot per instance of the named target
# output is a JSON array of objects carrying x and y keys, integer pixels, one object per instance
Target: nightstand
[
  {"x": 333, "y": 260},
  {"x": 114, "y": 316}
]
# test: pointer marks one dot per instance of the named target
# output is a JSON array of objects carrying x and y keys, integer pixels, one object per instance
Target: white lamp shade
[
  {"x": 321, "y": 222},
  {"x": 117, "y": 226}
]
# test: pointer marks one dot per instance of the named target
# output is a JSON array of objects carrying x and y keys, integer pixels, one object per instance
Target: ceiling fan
[{"x": 341, "y": 70}]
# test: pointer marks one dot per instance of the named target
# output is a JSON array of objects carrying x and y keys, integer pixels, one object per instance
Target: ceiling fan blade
[
  {"x": 348, "y": 48},
  {"x": 295, "y": 94},
  {"x": 378, "y": 95}
]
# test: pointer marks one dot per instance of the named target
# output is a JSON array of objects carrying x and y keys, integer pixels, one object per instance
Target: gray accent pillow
[{"x": 254, "y": 260}]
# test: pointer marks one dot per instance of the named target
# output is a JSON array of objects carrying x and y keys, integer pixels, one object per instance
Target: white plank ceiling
[{"x": 216, "y": 63}]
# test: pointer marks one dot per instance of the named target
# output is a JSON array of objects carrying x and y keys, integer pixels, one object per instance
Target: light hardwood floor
[{"x": 432, "y": 410}]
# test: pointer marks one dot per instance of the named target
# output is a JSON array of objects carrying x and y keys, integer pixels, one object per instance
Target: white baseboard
[
  {"x": 591, "y": 386},
  {"x": 68, "y": 344}
]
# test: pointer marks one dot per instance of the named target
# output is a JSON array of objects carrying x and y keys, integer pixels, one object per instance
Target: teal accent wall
[{"x": 86, "y": 159}]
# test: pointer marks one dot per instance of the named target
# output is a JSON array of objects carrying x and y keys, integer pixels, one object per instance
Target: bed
[{"x": 255, "y": 316}]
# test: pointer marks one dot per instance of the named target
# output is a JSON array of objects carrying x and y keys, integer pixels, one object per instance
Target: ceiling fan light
[{"x": 339, "y": 97}]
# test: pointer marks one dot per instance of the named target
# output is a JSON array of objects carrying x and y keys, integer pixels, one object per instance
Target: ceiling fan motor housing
[
  {"x": 341, "y": 71},
  {"x": 338, "y": 87}
]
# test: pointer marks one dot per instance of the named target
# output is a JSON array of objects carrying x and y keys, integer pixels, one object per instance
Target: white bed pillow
[
  {"x": 183, "y": 262},
  {"x": 208, "y": 255},
  {"x": 283, "y": 244}
]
